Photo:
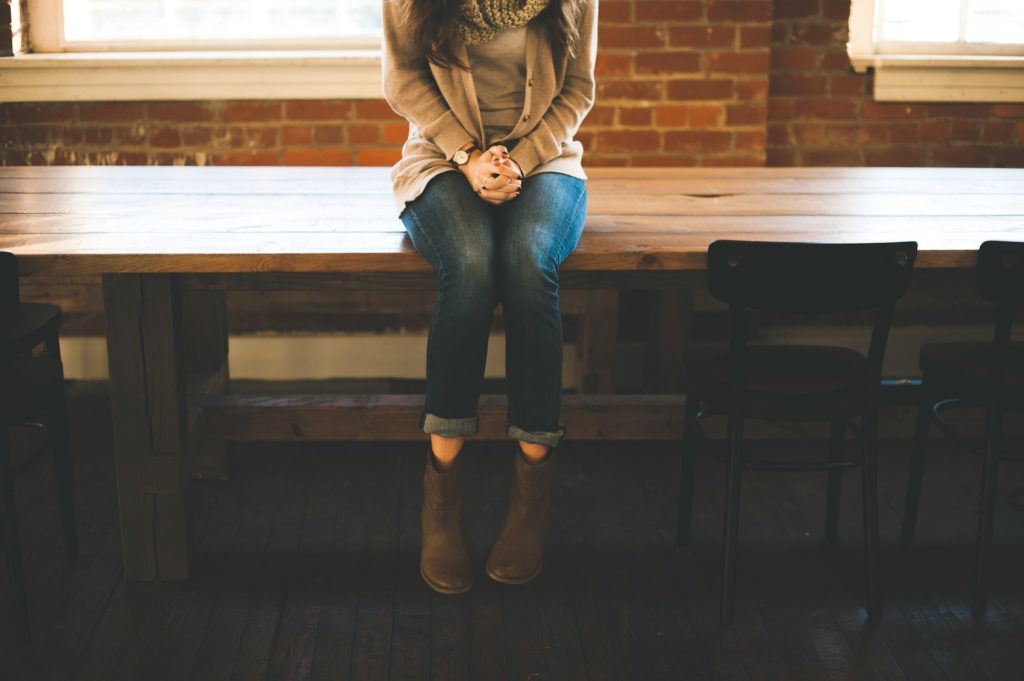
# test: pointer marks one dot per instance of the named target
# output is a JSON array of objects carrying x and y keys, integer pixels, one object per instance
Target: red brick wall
[
  {"x": 679, "y": 83},
  {"x": 693, "y": 82},
  {"x": 821, "y": 114},
  {"x": 300, "y": 132}
]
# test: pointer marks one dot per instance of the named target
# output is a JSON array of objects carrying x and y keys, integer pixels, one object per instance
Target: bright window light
[
  {"x": 922, "y": 20},
  {"x": 218, "y": 20},
  {"x": 952, "y": 21},
  {"x": 995, "y": 21}
]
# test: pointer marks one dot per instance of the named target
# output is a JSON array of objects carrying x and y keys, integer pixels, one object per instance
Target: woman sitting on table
[{"x": 494, "y": 91}]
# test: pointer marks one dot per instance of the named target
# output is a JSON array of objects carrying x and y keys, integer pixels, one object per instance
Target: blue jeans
[{"x": 483, "y": 254}]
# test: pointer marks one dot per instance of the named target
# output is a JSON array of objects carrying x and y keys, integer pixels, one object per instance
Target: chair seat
[
  {"x": 794, "y": 377},
  {"x": 25, "y": 384},
  {"x": 29, "y": 325},
  {"x": 965, "y": 368}
]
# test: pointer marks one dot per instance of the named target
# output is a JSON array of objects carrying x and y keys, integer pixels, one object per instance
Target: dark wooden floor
[{"x": 307, "y": 568}]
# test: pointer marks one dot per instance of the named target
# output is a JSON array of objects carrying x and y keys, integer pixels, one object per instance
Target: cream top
[{"x": 499, "y": 78}]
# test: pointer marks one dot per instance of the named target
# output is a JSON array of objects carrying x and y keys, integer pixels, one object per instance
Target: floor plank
[{"x": 307, "y": 567}]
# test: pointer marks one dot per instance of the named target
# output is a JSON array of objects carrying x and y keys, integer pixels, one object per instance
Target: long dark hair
[{"x": 433, "y": 25}]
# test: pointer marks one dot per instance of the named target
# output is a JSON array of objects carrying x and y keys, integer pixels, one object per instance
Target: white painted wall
[
  {"x": 313, "y": 356},
  {"x": 325, "y": 356}
]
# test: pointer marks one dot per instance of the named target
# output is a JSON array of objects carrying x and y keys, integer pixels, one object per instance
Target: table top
[{"x": 94, "y": 219}]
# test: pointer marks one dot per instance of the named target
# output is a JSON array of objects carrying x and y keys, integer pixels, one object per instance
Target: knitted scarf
[{"x": 481, "y": 20}]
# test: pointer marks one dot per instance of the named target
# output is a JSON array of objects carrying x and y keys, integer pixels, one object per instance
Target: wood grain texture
[
  {"x": 596, "y": 347},
  {"x": 315, "y": 417},
  {"x": 147, "y": 377},
  {"x": 90, "y": 220}
]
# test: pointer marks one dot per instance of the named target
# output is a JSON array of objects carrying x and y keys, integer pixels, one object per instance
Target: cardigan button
[
  {"x": 530, "y": 82},
  {"x": 526, "y": 117}
]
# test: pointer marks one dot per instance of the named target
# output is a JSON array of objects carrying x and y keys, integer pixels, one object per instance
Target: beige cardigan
[{"x": 441, "y": 105}]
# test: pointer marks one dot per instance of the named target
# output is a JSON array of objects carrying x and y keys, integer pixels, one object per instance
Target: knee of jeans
[
  {"x": 470, "y": 273},
  {"x": 530, "y": 273}
]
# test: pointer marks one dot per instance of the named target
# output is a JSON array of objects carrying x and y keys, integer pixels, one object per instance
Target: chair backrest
[
  {"x": 809, "y": 277},
  {"x": 9, "y": 292},
  {"x": 1000, "y": 271},
  {"x": 1000, "y": 279}
]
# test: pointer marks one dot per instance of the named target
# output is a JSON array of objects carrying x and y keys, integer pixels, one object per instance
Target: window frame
[
  {"x": 932, "y": 72},
  {"x": 265, "y": 69}
]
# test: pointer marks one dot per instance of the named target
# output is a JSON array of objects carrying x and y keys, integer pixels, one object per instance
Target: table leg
[
  {"x": 667, "y": 340},
  {"x": 145, "y": 351},
  {"x": 599, "y": 327}
]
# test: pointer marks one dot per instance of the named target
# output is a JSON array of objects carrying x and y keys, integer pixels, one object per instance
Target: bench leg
[
  {"x": 599, "y": 327},
  {"x": 206, "y": 342},
  {"x": 145, "y": 351}
]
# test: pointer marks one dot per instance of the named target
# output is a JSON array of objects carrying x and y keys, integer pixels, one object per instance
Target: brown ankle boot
[
  {"x": 444, "y": 559},
  {"x": 519, "y": 550}
]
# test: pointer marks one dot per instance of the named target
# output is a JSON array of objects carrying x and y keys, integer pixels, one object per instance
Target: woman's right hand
[{"x": 492, "y": 170}]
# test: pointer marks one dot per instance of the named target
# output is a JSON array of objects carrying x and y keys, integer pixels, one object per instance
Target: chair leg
[
  {"x": 986, "y": 511},
  {"x": 64, "y": 468},
  {"x": 924, "y": 417},
  {"x": 13, "y": 546},
  {"x": 869, "y": 501},
  {"x": 835, "y": 480},
  {"x": 685, "y": 519},
  {"x": 52, "y": 346},
  {"x": 732, "y": 518}
]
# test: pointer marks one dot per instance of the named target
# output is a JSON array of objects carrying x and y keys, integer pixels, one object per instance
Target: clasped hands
[{"x": 493, "y": 175}]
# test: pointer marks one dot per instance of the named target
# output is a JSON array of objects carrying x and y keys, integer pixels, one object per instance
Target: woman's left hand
[{"x": 500, "y": 158}]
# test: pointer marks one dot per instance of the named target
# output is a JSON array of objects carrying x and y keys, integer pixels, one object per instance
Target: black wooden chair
[
  {"x": 30, "y": 386},
  {"x": 794, "y": 382},
  {"x": 975, "y": 374}
]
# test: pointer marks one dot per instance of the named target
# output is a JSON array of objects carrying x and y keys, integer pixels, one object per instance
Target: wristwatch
[{"x": 462, "y": 155}]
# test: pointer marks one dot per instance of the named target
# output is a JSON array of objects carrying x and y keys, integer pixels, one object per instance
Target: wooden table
[{"x": 169, "y": 241}]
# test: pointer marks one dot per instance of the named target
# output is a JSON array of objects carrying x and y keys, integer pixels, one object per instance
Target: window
[
  {"x": 89, "y": 25},
  {"x": 951, "y": 26},
  {"x": 927, "y": 50},
  {"x": 196, "y": 49}
]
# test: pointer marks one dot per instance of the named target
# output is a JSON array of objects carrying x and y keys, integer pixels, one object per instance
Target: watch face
[{"x": 461, "y": 156}]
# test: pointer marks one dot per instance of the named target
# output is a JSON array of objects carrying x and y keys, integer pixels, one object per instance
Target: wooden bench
[{"x": 169, "y": 242}]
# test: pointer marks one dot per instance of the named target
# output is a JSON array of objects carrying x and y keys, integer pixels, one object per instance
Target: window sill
[
  {"x": 938, "y": 78},
  {"x": 227, "y": 74}
]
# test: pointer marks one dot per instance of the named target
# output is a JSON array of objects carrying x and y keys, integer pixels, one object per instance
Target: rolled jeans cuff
[
  {"x": 540, "y": 437},
  {"x": 447, "y": 427}
]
